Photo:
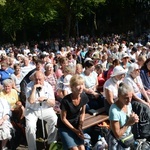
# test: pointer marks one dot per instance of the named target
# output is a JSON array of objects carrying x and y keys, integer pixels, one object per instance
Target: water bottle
[
  {"x": 99, "y": 137},
  {"x": 87, "y": 141},
  {"x": 136, "y": 143},
  {"x": 98, "y": 145}
]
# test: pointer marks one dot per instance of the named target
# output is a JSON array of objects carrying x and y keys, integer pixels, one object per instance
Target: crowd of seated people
[{"x": 114, "y": 64}]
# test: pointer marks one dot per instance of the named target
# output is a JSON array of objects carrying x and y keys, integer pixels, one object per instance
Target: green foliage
[
  {"x": 16, "y": 14},
  {"x": 68, "y": 16},
  {"x": 2, "y": 2},
  {"x": 11, "y": 17}
]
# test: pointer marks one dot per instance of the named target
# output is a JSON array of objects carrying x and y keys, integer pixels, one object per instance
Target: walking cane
[{"x": 43, "y": 130}]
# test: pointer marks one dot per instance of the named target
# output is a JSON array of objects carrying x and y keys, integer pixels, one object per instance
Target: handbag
[{"x": 127, "y": 141}]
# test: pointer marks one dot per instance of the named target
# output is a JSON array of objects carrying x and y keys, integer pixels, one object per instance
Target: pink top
[{"x": 59, "y": 73}]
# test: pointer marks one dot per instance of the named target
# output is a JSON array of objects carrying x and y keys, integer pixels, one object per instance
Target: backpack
[
  {"x": 56, "y": 145},
  {"x": 142, "y": 144},
  {"x": 142, "y": 128}
]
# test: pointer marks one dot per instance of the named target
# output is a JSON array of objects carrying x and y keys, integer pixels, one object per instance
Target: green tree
[
  {"x": 17, "y": 15},
  {"x": 72, "y": 10},
  {"x": 2, "y": 2}
]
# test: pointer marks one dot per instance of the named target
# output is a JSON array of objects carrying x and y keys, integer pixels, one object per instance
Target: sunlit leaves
[{"x": 2, "y": 2}]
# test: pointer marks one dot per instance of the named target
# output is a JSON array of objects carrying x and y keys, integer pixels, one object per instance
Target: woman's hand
[
  {"x": 133, "y": 119},
  {"x": 96, "y": 94},
  {"x": 80, "y": 126},
  {"x": 146, "y": 103},
  {"x": 148, "y": 92},
  {"x": 90, "y": 91},
  {"x": 79, "y": 133}
]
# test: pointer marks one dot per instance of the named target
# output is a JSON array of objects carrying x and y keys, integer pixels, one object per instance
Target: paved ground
[
  {"x": 22, "y": 147},
  {"x": 40, "y": 146}
]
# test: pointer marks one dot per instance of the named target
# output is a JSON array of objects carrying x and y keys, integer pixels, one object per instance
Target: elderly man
[{"x": 39, "y": 104}]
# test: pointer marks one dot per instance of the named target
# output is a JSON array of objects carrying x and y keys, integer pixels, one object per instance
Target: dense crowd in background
[{"x": 84, "y": 56}]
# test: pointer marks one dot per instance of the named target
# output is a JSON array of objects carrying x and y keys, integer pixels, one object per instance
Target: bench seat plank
[
  {"x": 93, "y": 120},
  {"x": 88, "y": 116}
]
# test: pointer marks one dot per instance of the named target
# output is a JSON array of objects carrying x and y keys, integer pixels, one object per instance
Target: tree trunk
[
  {"x": 68, "y": 26},
  {"x": 13, "y": 36}
]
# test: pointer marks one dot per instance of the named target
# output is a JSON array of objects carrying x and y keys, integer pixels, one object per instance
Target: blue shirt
[
  {"x": 116, "y": 114},
  {"x": 5, "y": 74},
  {"x": 145, "y": 79}
]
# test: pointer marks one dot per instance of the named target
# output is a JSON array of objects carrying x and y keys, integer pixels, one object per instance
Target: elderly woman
[
  {"x": 11, "y": 96},
  {"x": 50, "y": 75},
  {"x": 51, "y": 78},
  {"x": 17, "y": 77},
  {"x": 111, "y": 86},
  {"x": 72, "y": 116},
  {"x": 5, "y": 125},
  {"x": 121, "y": 119},
  {"x": 140, "y": 102},
  {"x": 134, "y": 80}
]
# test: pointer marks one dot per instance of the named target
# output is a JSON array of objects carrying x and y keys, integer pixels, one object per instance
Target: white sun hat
[
  {"x": 118, "y": 70},
  {"x": 125, "y": 55}
]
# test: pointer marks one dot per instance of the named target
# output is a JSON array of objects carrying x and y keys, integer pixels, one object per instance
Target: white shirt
[
  {"x": 136, "y": 84},
  {"x": 111, "y": 86},
  {"x": 46, "y": 91},
  {"x": 4, "y": 108},
  {"x": 67, "y": 84}
]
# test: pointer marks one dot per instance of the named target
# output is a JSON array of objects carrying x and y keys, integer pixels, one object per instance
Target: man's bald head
[{"x": 39, "y": 77}]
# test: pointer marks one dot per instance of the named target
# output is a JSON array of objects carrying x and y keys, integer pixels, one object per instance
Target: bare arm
[
  {"x": 139, "y": 99},
  {"x": 82, "y": 115},
  {"x": 69, "y": 125},
  {"x": 144, "y": 93},
  {"x": 31, "y": 98},
  {"x": 51, "y": 102},
  {"x": 66, "y": 122},
  {"x": 3, "y": 119},
  {"x": 118, "y": 130},
  {"x": 109, "y": 96}
]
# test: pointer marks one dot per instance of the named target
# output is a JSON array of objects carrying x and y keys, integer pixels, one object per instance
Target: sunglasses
[
  {"x": 125, "y": 57},
  {"x": 137, "y": 69}
]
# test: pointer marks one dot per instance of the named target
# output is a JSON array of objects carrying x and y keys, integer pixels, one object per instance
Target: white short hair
[{"x": 132, "y": 67}]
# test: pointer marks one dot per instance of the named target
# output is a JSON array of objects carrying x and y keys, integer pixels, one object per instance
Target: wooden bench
[{"x": 91, "y": 120}]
